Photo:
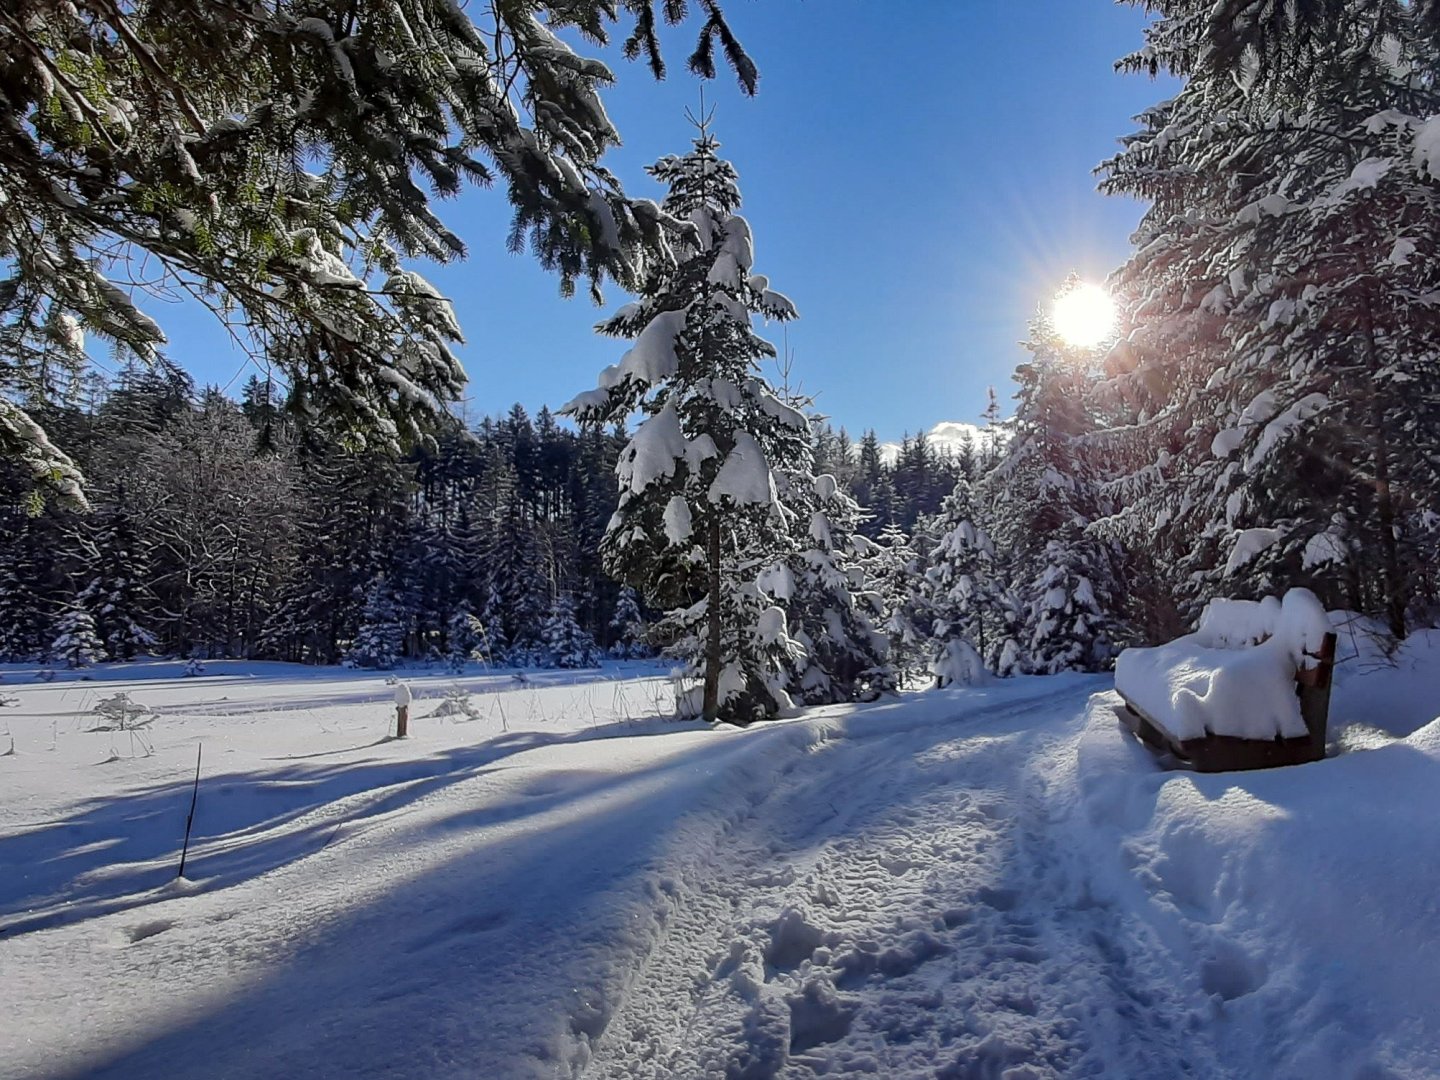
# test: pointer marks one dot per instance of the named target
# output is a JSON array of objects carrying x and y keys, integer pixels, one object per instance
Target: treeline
[{"x": 216, "y": 528}]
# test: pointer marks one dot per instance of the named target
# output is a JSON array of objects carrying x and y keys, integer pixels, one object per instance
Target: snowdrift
[{"x": 1293, "y": 898}]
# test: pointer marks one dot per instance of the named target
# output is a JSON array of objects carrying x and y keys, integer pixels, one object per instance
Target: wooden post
[
  {"x": 402, "y": 710},
  {"x": 1312, "y": 686}
]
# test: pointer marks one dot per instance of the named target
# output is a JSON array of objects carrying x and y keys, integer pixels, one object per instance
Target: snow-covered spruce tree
[
  {"x": 463, "y": 639},
  {"x": 628, "y": 626},
  {"x": 1337, "y": 461},
  {"x": 1162, "y": 400},
  {"x": 494, "y": 645},
  {"x": 518, "y": 571},
  {"x": 566, "y": 644},
  {"x": 1042, "y": 498},
  {"x": 191, "y": 166},
  {"x": 829, "y": 588},
  {"x": 969, "y": 600},
  {"x": 27, "y": 566},
  {"x": 354, "y": 521},
  {"x": 380, "y": 640},
  {"x": 1292, "y": 238},
  {"x": 958, "y": 663},
  {"x": 76, "y": 644},
  {"x": 699, "y": 514},
  {"x": 117, "y": 592},
  {"x": 900, "y": 578}
]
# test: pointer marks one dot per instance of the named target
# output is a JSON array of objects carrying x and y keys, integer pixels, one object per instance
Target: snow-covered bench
[{"x": 1249, "y": 689}]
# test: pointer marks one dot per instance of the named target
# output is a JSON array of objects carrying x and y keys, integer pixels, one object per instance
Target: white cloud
[{"x": 946, "y": 435}]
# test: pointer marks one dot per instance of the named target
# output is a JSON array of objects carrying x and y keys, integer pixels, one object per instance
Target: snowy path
[{"x": 899, "y": 906}]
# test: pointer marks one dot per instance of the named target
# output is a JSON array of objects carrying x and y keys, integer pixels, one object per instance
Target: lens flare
[{"x": 1084, "y": 317}]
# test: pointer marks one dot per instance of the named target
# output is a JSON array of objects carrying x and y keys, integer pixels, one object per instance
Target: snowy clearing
[{"x": 986, "y": 882}]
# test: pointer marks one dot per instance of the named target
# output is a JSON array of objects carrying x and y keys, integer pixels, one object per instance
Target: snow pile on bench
[{"x": 1235, "y": 675}]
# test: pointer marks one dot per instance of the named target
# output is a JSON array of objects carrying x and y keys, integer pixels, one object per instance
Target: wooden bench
[{"x": 1227, "y": 753}]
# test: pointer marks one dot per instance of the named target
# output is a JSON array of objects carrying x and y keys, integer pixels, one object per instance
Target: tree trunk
[
  {"x": 712, "y": 620},
  {"x": 1392, "y": 575}
]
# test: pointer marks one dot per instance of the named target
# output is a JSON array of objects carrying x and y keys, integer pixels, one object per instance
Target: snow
[
  {"x": 1248, "y": 544},
  {"x": 651, "y": 360},
  {"x": 1235, "y": 675},
  {"x": 1226, "y": 442},
  {"x": 677, "y": 520},
  {"x": 1324, "y": 549},
  {"x": 1427, "y": 148},
  {"x": 989, "y": 881},
  {"x": 1262, "y": 407},
  {"x": 1291, "y": 900},
  {"x": 654, "y": 356},
  {"x": 820, "y": 530},
  {"x": 745, "y": 475},
  {"x": 771, "y": 405},
  {"x": 1236, "y": 624},
  {"x": 771, "y": 625},
  {"x": 1367, "y": 174},
  {"x": 69, "y": 332},
  {"x": 1284, "y": 425},
  {"x": 1392, "y": 690},
  {"x": 657, "y": 445},
  {"x": 1402, "y": 252},
  {"x": 1273, "y": 205},
  {"x": 958, "y": 664},
  {"x": 736, "y": 255},
  {"x": 777, "y": 581},
  {"x": 1193, "y": 691},
  {"x": 325, "y": 267}
]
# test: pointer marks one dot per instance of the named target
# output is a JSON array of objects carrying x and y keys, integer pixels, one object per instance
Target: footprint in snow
[{"x": 1231, "y": 972}]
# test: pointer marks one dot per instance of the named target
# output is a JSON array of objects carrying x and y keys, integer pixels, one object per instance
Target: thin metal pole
[{"x": 189, "y": 821}]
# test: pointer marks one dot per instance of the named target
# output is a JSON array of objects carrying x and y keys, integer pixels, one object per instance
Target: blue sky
[{"x": 918, "y": 177}]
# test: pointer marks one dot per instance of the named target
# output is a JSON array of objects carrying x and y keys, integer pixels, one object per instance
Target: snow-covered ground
[{"x": 987, "y": 882}]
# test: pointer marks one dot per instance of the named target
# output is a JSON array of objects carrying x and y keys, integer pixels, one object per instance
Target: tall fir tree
[
  {"x": 904, "y": 593},
  {"x": 627, "y": 627},
  {"x": 1043, "y": 497},
  {"x": 968, "y": 597},
  {"x": 699, "y": 510}
]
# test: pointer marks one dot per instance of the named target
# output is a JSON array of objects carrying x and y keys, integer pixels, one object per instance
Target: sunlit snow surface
[{"x": 991, "y": 881}]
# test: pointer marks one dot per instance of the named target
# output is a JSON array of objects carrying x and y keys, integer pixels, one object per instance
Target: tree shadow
[
  {"x": 121, "y": 852},
  {"x": 449, "y": 970}
]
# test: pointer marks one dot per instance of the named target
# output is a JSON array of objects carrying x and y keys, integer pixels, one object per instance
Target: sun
[{"x": 1084, "y": 316}]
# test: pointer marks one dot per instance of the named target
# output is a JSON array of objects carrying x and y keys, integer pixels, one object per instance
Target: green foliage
[
  {"x": 1266, "y": 425},
  {"x": 281, "y": 163}
]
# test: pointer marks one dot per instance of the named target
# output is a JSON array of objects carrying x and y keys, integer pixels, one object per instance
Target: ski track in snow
[{"x": 898, "y": 906}]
